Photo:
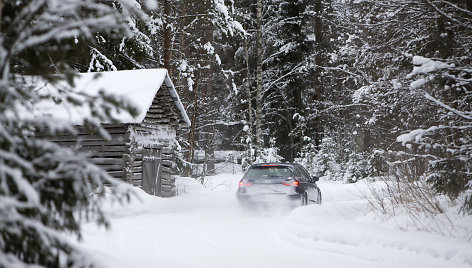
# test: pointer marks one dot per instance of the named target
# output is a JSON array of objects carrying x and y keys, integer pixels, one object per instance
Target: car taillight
[
  {"x": 293, "y": 183},
  {"x": 242, "y": 184}
]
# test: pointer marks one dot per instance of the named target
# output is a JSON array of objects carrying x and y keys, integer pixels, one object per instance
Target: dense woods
[{"x": 351, "y": 89}]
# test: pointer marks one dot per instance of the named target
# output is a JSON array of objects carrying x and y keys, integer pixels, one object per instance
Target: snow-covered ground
[{"x": 205, "y": 227}]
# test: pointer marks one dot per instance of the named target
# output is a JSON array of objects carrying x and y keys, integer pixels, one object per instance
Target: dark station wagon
[{"x": 278, "y": 184}]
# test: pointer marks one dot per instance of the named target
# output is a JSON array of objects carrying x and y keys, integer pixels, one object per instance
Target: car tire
[{"x": 304, "y": 199}]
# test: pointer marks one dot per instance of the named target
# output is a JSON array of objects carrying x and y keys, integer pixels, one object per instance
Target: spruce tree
[{"x": 46, "y": 190}]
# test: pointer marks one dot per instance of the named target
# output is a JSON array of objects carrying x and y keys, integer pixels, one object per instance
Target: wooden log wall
[{"x": 107, "y": 154}]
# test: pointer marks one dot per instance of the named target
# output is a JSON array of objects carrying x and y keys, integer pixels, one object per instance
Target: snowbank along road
[{"x": 205, "y": 227}]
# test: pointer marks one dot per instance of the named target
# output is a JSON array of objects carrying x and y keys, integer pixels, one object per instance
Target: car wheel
[{"x": 304, "y": 199}]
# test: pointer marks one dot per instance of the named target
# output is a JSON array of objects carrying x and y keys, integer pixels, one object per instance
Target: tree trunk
[
  {"x": 1, "y": 12},
  {"x": 249, "y": 99},
  {"x": 167, "y": 36},
  {"x": 259, "y": 79},
  {"x": 291, "y": 140},
  {"x": 192, "y": 127},
  {"x": 317, "y": 83}
]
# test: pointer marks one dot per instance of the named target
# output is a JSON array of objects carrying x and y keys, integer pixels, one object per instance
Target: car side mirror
[{"x": 315, "y": 178}]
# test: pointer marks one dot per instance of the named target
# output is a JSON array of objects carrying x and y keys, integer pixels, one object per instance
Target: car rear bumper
[{"x": 269, "y": 199}]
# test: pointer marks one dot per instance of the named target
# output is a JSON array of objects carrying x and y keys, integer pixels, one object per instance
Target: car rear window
[{"x": 268, "y": 171}]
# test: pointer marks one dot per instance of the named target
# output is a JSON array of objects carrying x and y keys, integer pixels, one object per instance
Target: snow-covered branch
[
  {"x": 447, "y": 16},
  {"x": 465, "y": 115}
]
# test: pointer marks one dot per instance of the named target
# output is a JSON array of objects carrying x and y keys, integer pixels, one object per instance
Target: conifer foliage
[{"x": 47, "y": 190}]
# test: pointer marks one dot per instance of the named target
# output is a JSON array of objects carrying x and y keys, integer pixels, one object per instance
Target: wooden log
[
  {"x": 167, "y": 163},
  {"x": 80, "y": 130},
  {"x": 168, "y": 181},
  {"x": 166, "y": 170},
  {"x": 137, "y": 170},
  {"x": 167, "y": 151},
  {"x": 155, "y": 109},
  {"x": 166, "y": 188},
  {"x": 155, "y": 116},
  {"x": 111, "y": 154},
  {"x": 88, "y": 137},
  {"x": 116, "y": 174},
  {"x": 110, "y": 128},
  {"x": 107, "y": 161},
  {"x": 156, "y": 121},
  {"x": 167, "y": 157},
  {"x": 111, "y": 167},
  {"x": 102, "y": 149},
  {"x": 92, "y": 143}
]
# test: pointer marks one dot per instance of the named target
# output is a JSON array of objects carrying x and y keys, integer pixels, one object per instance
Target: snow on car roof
[
  {"x": 138, "y": 87},
  {"x": 273, "y": 164}
]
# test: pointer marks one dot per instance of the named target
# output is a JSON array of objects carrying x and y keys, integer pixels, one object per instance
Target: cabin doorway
[{"x": 152, "y": 170}]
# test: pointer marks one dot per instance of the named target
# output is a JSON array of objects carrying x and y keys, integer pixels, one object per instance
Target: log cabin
[{"x": 138, "y": 150}]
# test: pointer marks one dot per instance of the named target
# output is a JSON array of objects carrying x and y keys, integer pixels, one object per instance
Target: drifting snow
[{"x": 204, "y": 228}]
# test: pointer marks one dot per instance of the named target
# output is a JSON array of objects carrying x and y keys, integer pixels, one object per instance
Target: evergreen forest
[{"x": 351, "y": 89}]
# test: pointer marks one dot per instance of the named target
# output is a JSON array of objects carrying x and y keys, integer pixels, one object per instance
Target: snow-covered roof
[{"x": 138, "y": 87}]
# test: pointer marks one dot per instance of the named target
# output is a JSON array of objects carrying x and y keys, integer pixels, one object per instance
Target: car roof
[{"x": 274, "y": 164}]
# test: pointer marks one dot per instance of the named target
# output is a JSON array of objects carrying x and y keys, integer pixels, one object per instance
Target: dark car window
[
  {"x": 303, "y": 173},
  {"x": 268, "y": 171},
  {"x": 298, "y": 173}
]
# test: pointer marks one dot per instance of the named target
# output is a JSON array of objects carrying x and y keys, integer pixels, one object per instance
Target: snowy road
[{"x": 208, "y": 229}]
